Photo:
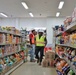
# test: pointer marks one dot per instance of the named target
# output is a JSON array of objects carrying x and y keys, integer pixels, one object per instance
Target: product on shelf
[
  {"x": 74, "y": 61},
  {"x": 65, "y": 42},
  {"x": 62, "y": 66},
  {"x": 68, "y": 39},
  {"x": 59, "y": 50},
  {"x": 74, "y": 15},
  {"x": 11, "y": 29},
  {"x": 69, "y": 54},
  {"x": 11, "y": 46},
  {"x": 9, "y": 61},
  {"x": 67, "y": 21},
  {"x": 71, "y": 72}
]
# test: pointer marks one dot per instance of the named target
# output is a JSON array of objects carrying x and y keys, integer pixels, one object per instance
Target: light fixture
[
  {"x": 24, "y": 5},
  {"x": 31, "y": 15},
  {"x": 57, "y": 14},
  {"x": 61, "y": 5},
  {"x": 3, "y": 14}
]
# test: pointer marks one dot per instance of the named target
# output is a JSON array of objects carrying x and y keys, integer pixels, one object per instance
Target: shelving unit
[
  {"x": 9, "y": 44},
  {"x": 70, "y": 28},
  {"x": 10, "y": 54},
  {"x": 14, "y": 46},
  {"x": 8, "y": 32},
  {"x": 59, "y": 33},
  {"x": 14, "y": 67},
  {"x": 66, "y": 45},
  {"x": 70, "y": 64}
]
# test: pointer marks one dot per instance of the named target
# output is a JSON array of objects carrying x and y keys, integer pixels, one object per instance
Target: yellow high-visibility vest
[{"x": 40, "y": 41}]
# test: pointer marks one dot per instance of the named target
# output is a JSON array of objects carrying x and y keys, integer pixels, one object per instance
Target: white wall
[{"x": 32, "y": 23}]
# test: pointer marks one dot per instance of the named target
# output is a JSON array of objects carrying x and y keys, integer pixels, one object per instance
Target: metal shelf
[
  {"x": 9, "y": 44},
  {"x": 8, "y": 32},
  {"x": 15, "y": 67},
  {"x": 58, "y": 34},
  {"x": 65, "y": 45},
  {"x": 59, "y": 56},
  {"x": 10, "y": 54},
  {"x": 71, "y": 27},
  {"x": 71, "y": 65}
]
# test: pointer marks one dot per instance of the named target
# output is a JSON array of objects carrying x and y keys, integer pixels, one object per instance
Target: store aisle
[{"x": 33, "y": 69}]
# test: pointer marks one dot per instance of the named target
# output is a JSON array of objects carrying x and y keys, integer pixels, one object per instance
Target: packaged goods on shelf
[
  {"x": 69, "y": 55},
  {"x": 59, "y": 29},
  {"x": 68, "y": 39},
  {"x": 9, "y": 49},
  {"x": 65, "y": 43},
  {"x": 12, "y": 49},
  {"x": 67, "y": 21},
  {"x": 62, "y": 67},
  {"x": 9, "y": 61},
  {"x": 74, "y": 15},
  {"x": 71, "y": 72}
]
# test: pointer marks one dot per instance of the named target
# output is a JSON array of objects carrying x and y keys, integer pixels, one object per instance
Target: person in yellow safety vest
[{"x": 40, "y": 41}]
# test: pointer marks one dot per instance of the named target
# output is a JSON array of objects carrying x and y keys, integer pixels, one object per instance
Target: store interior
[{"x": 56, "y": 17}]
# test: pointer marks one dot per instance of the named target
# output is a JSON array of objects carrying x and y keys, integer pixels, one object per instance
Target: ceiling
[{"x": 39, "y": 8}]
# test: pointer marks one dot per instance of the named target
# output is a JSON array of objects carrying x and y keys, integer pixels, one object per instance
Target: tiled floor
[{"x": 33, "y": 69}]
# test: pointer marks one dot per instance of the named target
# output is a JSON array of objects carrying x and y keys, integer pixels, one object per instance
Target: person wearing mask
[
  {"x": 32, "y": 43},
  {"x": 40, "y": 41}
]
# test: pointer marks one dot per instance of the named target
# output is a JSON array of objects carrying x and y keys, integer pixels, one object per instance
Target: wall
[{"x": 32, "y": 23}]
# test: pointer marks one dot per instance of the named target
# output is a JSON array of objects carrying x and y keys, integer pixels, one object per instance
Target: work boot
[
  {"x": 32, "y": 60},
  {"x": 39, "y": 63}
]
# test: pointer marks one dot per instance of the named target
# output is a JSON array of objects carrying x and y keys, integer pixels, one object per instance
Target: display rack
[
  {"x": 9, "y": 32},
  {"x": 18, "y": 46},
  {"x": 18, "y": 64},
  {"x": 66, "y": 45},
  {"x": 70, "y": 64},
  {"x": 69, "y": 29}
]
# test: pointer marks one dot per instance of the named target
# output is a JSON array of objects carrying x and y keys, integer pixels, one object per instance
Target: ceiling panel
[{"x": 40, "y": 8}]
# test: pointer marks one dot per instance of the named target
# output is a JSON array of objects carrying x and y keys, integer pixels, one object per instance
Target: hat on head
[{"x": 40, "y": 30}]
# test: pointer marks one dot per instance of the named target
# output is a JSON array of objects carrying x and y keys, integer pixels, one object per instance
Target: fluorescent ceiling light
[
  {"x": 57, "y": 14},
  {"x": 3, "y": 14},
  {"x": 31, "y": 15},
  {"x": 24, "y": 5},
  {"x": 61, "y": 5}
]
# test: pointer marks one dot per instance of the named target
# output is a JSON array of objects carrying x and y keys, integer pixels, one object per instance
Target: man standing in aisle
[
  {"x": 40, "y": 41},
  {"x": 32, "y": 43}
]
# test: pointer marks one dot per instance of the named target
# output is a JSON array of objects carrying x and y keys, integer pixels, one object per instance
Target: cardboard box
[{"x": 50, "y": 55}]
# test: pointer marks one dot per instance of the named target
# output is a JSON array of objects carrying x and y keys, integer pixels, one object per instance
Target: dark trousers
[{"x": 41, "y": 50}]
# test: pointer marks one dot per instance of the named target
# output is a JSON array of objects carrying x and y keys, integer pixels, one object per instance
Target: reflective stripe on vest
[{"x": 40, "y": 41}]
